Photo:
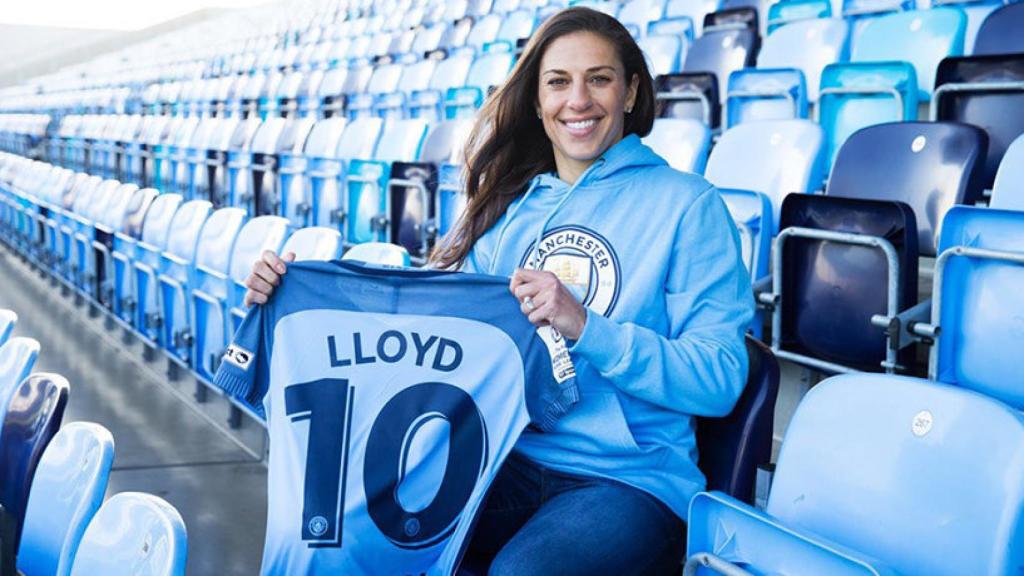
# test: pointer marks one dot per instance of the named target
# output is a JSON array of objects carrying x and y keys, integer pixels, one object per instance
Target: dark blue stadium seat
[
  {"x": 1000, "y": 33},
  {"x": 689, "y": 95},
  {"x": 988, "y": 92},
  {"x": 34, "y": 414}
]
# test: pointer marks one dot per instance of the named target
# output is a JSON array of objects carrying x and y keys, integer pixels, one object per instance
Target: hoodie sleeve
[{"x": 700, "y": 367}]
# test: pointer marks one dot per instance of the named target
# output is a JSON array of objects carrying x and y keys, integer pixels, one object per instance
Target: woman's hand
[
  {"x": 545, "y": 300},
  {"x": 266, "y": 275}
]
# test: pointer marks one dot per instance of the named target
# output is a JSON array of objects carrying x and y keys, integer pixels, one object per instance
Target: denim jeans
[{"x": 539, "y": 521}]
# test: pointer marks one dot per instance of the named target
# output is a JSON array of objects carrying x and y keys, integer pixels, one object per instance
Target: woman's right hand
[{"x": 266, "y": 275}]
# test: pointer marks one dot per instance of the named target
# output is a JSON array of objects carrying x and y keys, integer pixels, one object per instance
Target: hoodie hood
[{"x": 617, "y": 162}]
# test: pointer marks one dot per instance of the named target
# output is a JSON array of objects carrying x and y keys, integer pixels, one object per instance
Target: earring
[
  {"x": 629, "y": 110},
  {"x": 538, "y": 114}
]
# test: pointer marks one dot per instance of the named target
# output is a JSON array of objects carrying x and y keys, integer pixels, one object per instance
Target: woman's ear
[{"x": 634, "y": 85}]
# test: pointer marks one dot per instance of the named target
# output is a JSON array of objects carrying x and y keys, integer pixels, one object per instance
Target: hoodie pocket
[{"x": 599, "y": 424}]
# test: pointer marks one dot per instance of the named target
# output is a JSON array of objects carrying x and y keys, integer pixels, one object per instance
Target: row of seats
[
  {"x": 53, "y": 520},
  {"x": 170, "y": 271}
]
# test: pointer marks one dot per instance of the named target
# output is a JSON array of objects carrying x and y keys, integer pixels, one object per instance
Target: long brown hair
[{"x": 508, "y": 146}]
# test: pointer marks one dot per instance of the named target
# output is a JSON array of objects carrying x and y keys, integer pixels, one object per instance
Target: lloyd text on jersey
[{"x": 392, "y": 346}]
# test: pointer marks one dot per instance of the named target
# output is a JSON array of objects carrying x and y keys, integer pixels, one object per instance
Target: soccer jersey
[{"x": 392, "y": 396}]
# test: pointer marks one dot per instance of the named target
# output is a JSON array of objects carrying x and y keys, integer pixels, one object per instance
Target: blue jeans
[{"x": 539, "y": 521}]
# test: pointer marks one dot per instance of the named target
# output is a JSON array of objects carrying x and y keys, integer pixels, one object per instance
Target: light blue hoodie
[{"x": 655, "y": 257}]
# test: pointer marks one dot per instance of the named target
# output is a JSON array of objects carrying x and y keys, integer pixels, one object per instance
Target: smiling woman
[{"x": 638, "y": 267}]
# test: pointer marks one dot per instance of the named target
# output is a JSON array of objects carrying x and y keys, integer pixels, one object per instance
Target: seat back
[
  {"x": 926, "y": 478},
  {"x": 489, "y": 69},
  {"x": 775, "y": 157},
  {"x": 157, "y": 223},
  {"x": 359, "y": 139},
  {"x": 257, "y": 235},
  {"x": 689, "y": 95},
  {"x": 314, "y": 243},
  {"x": 921, "y": 37},
  {"x": 133, "y": 534},
  {"x": 17, "y": 356},
  {"x": 928, "y": 165},
  {"x": 401, "y": 140},
  {"x": 217, "y": 239},
  {"x": 721, "y": 52},
  {"x": 67, "y": 490},
  {"x": 981, "y": 311},
  {"x": 378, "y": 253},
  {"x": 33, "y": 415},
  {"x": 696, "y": 11},
  {"x": 765, "y": 94},
  {"x": 754, "y": 217},
  {"x": 808, "y": 46},
  {"x": 186, "y": 225},
  {"x": 789, "y": 11},
  {"x": 855, "y": 95},
  {"x": 663, "y": 51},
  {"x": 731, "y": 448},
  {"x": 988, "y": 92},
  {"x": 830, "y": 290},
  {"x": 682, "y": 142},
  {"x": 135, "y": 212},
  {"x": 1008, "y": 189},
  {"x": 1000, "y": 32},
  {"x": 8, "y": 318}
]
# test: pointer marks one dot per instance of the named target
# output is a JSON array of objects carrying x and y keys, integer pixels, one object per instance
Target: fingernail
[{"x": 280, "y": 268}]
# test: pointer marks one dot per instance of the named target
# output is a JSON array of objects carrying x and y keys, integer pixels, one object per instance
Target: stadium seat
[
  {"x": 154, "y": 133},
  {"x": 299, "y": 203},
  {"x": 239, "y": 159},
  {"x": 875, "y": 222},
  {"x": 695, "y": 11},
  {"x": 120, "y": 275},
  {"x": 66, "y": 225},
  {"x": 327, "y": 174},
  {"x": 691, "y": 95},
  {"x": 133, "y": 534},
  {"x": 368, "y": 210},
  {"x": 177, "y": 271},
  {"x": 156, "y": 230},
  {"x": 88, "y": 210},
  {"x": 721, "y": 51},
  {"x": 32, "y": 415},
  {"x": 641, "y": 13},
  {"x": 1008, "y": 190},
  {"x": 789, "y": 11},
  {"x": 879, "y": 474},
  {"x": 682, "y": 142},
  {"x": 859, "y": 13},
  {"x": 731, "y": 448},
  {"x": 517, "y": 25},
  {"x": 754, "y": 217},
  {"x": 921, "y": 37},
  {"x": 450, "y": 72},
  {"x": 67, "y": 490},
  {"x": 977, "y": 306},
  {"x": 380, "y": 253},
  {"x": 207, "y": 160},
  {"x": 858, "y": 94},
  {"x": 808, "y": 46},
  {"x": 988, "y": 92},
  {"x": 663, "y": 52},
  {"x": 765, "y": 94},
  {"x": 106, "y": 222},
  {"x": 177, "y": 177},
  {"x": 314, "y": 243},
  {"x": 17, "y": 356},
  {"x": 8, "y": 318},
  {"x": 774, "y": 157},
  {"x": 1000, "y": 32},
  {"x": 412, "y": 203},
  {"x": 218, "y": 287}
]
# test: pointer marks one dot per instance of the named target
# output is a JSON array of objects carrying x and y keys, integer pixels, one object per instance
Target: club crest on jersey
[
  {"x": 585, "y": 263},
  {"x": 238, "y": 356}
]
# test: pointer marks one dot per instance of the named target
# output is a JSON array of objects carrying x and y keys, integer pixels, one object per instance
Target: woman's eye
[
  {"x": 557, "y": 82},
  {"x": 600, "y": 79}
]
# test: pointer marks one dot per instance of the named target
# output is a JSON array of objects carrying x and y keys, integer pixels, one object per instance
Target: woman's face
[{"x": 582, "y": 97}]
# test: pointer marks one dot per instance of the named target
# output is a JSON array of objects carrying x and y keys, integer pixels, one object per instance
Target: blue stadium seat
[
  {"x": 641, "y": 13},
  {"x": 89, "y": 208},
  {"x": 680, "y": 26},
  {"x": 484, "y": 31},
  {"x": 314, "y": 243},
  {"x": 367, "y": 192},
  {"x": 880, "y": 474},
  {"x": 133, "y": 534},
  {"x": 156, "y": 231},
  {"x": 207, "y": 160},
  {"x": 858, "y": 94},
  {"x": 211, "y": 249},
  {"x": 689, "y": 95},
  {"x": 32, "y": 414},
  {"x": 859, "y": 13},
  {"x": 988, "y": 92},
  {"x": 921, "y": 37},
  {"x": 695, "y": 11},
  {"x": 789, "y": 11},
  {"x": 109, "y": 220},
  {"x": 775, "y": 157},
  {"x": 490, "y": 68},
  {"x": 154, "y": 133},
  {"x": 1008, "y": 190},
  {"x": 1000, "y": 32},
  {"x": 977, "y": 305},
  {"x": 66, "y": 225},
  {"x": 754, "y": 217},
  {"x": 378, "y": 253},
  {"x": 123, "y": 246},
  {"x": 17, "y": 356},
  {"x": 731, "y": 448},
  {"x": 67, "y": 490},
  {"x": 683, "y": 142},
  {"x": 450, "y": 72},
  {"x": 8, "y": 319},
  {"x": 177, "y": 175},
  {"x": 808, "y": 46},
  {"x": 663, "y": 52},
  {"x": 328, "y": 176},
  {"x": 517, "y": 25},
  {"x": 412, "y": 187},
  {"x": 722, "y": 51},
  {"x": 300, "y": 204},
  {"x": 765, "y": 94},
  {"x": 875, "y": 222},
  {"x": 239, "y": 158},
  {"x": 218, "y": 287}
]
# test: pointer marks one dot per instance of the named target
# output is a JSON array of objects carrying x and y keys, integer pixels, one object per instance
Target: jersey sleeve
[
  {"x": 244, "y": 370},
  {"x": 551, "y": 389}
]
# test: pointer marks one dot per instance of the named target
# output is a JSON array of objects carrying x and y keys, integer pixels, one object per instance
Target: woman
[{"x": 636, "y": 265}]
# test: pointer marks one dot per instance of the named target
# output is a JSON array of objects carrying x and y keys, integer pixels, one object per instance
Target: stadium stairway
[{"x": 166, "y": 444}]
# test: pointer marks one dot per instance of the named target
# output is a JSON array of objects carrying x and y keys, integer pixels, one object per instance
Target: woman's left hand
[{"x": 545, "y": 300}]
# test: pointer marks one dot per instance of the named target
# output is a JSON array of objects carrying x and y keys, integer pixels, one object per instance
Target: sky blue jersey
[{"x": 392, "y": 397}]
